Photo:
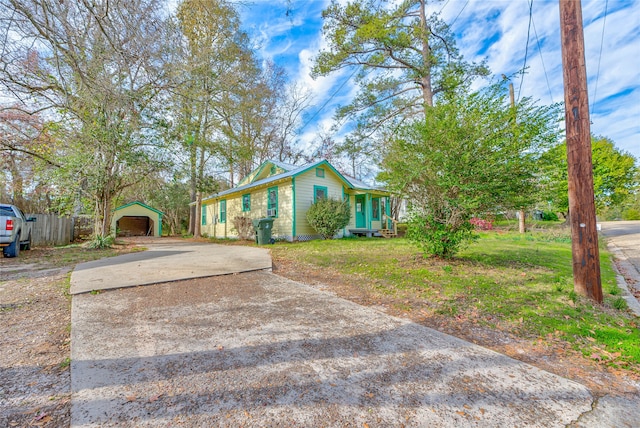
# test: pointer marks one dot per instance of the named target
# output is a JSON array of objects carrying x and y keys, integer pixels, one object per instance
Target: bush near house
[
  {"x": 328, "y": 216},
  {"x": 439, "y": 238}
]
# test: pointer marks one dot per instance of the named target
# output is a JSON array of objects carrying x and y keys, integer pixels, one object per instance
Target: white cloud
[
  {"x": 617, "y": 118},
  {"x": 293, "y": 41}
]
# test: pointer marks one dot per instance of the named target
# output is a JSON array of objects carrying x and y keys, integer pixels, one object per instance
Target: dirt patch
[
  {"x": 35, "y": 326},
  {"x": 34, "y": 370},
  {"x": 552, "y": 355}
]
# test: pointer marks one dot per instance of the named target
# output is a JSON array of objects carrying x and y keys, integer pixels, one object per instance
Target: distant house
[
  {"x": 285, "y": 193},
  {"x": 136, "y": 219}
]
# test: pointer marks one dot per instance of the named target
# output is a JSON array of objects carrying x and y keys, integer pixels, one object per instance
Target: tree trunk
[
  {"x": 106, "y": 217},
  {"x": 427, "y": 91},
  {"x": 102, "y": 216},
  {"x": 193, "y": 185},
  {"x": 18, "y": 184},
  {"x": 521, "y": 222},
  {"x": 198, "y": 229}
]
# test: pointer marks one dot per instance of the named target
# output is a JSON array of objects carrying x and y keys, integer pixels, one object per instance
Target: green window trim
[
  {"x": 272, "y": 202},
  {"x": 246, "y": 203},
  {"x": 375, "y": 209},
  {"x": 367, "y": 199},
  {"x": 293, "y": 203},
  {"x": 204, "y": 215},
  {"x": 321, "y": 189},
  {"x": 223, "y": 211},
  {"x": 320, "y": 172}
]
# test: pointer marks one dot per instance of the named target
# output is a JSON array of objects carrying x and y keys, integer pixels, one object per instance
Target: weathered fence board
[{"x": 49, "y": 229}]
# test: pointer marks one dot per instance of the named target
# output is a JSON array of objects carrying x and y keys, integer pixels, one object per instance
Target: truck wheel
[
  {"x": 25, "y": 246},
  {"x": 14, "y": 249}
]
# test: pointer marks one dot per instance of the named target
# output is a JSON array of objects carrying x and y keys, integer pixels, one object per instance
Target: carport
[{"x": 136, "y": 219}]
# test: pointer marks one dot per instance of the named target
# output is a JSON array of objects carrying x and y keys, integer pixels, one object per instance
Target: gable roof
[
  {"x": 258, "y": 173},
  {"x": 142, "y": 205},
  {"x": 291, "y": 171}
]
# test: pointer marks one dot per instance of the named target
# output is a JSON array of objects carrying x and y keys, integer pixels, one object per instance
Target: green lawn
[{"x": 517, "y": 283}]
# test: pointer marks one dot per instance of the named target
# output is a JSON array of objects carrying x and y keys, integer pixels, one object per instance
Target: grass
[
  {"x": 517, "y": 283},
  {"x": 65, "y": 363}
]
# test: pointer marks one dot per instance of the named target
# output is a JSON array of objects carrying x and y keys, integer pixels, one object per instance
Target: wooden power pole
[
  {"x": 582, "y": 211},
  {"x": 521, "y": 214}
]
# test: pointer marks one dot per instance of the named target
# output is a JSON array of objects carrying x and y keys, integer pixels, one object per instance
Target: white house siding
[
  {"x": 207, "y": 228},
  {"x": 214, "y": 227},
  {"x": 281, "y": 226},
  {"x": 305, "y": 194},
  {"x": 352, "y": 206},
  {"x": 282, "y": 223}
]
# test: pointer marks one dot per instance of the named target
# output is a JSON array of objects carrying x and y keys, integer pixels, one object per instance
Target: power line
[
  {"x": 542, "y": 59},
  {"x": 459, "y": 13},
  {"x": 329, "y": 99},
  {"x": 443, "y": 6},
  {"x": 526, "y": 49},
  {"x": 604, "y": 22}
]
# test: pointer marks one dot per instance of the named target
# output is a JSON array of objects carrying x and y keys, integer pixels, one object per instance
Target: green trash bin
[{"x": 263, "y": 227}]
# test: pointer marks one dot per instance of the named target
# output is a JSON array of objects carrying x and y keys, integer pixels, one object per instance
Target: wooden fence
[{"x": 49, "y": 229}]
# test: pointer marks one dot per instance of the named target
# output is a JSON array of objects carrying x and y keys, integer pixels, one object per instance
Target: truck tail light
[{"x": 9, "y": 225}]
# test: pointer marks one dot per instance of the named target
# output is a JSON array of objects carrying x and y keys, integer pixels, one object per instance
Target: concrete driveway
[
  {"x": 164, "y": 261},
  {"x": 255, "y": 349}
]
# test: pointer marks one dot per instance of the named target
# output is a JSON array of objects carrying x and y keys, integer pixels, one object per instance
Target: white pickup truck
[{"x": 15, "y": 230}]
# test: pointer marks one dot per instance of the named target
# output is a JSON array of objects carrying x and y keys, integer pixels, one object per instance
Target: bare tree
[{"x": 94, "y": 68}]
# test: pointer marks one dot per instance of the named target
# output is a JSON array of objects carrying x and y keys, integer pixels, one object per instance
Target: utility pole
[
  {"x": 521, "y": 220},
  {"x": 582, "y": 211}
]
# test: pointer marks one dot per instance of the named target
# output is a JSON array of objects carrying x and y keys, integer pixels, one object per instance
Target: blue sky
[{"x": 289, "y": 33}]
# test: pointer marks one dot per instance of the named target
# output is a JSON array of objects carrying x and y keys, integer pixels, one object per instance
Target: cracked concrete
[
  {"x": 619, "y": 411},
  {"x": 611, "y": 411}
]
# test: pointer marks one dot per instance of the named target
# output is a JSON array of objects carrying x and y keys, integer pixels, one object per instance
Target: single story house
[
  {"x": 285, "y": 193},
  {"x": 136, "y": 219}
]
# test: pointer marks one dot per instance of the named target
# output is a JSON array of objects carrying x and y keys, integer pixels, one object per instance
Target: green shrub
[
  {"x": 402, "y": 229},
  {"x": 100, "y": 242},
  {"x": 631, "y": 214},
  {"x": 328, "y": 216},
  {"x": 549, "y": 216},
  {"x": 437, "y": 238}
]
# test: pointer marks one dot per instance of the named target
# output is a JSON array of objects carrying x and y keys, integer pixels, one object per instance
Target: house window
[
  {"x": 320, "y": 172},
  {"x": 319, "y": 192},
  {"x": 375, "y": 209},
  {"x": 246, "y": 203},
  {"x": 223, "y": 211},
  {"x": 272, "y": 202},
  {"x": 204, "y": 215},
  {"x": 273, "y": 170}
]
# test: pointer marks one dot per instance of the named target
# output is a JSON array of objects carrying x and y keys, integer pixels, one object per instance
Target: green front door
[{"x": 361, "y": 218}]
